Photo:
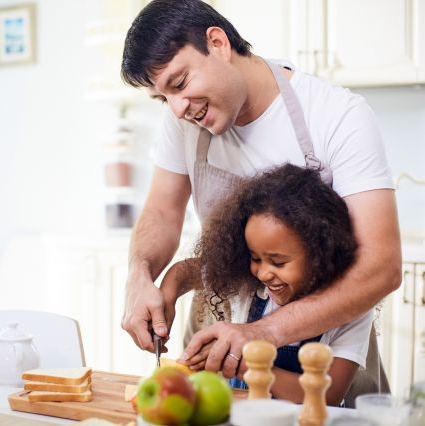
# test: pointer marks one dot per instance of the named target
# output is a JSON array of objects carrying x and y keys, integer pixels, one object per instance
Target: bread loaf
[
  {"x": 35, "y": 396},
  {"x": 61, "y": 376},
  {"x": 58, "y": 384},
  {"x": 57, "y": 387}
]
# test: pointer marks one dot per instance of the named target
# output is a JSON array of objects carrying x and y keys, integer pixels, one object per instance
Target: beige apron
[{"x": 211, "y": 184}]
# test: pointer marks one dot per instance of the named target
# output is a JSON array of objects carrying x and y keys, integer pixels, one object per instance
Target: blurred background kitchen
[{"x": 74, "y": 153}]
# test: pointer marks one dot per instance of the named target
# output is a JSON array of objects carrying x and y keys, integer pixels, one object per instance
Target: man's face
[{"x": 205, "y": 90}]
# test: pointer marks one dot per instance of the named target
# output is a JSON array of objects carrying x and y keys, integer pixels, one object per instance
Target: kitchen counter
[{"x": 9, "y": 417}]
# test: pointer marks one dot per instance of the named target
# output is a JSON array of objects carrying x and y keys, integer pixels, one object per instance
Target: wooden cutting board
[{"x": 108, "y": 401}]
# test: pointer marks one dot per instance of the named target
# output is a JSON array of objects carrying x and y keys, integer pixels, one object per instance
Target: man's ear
[{"x": 217, "y": 39}]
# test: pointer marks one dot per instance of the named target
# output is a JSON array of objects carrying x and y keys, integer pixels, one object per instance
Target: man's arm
[
  {"x": 154, "y": 241},
  {"x": 375, "y": 273}
]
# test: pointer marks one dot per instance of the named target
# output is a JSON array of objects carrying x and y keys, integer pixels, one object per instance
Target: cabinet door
[
  {"x": 364, "y": 42},
  {"x": 419, "y": 326},
  {"x": 407, "y": 357},
  {"x": 265, "y": 24},
  {"x": 420, "y": 22}
]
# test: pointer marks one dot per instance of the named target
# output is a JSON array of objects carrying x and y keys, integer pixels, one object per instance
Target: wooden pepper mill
[
  {"x": 315, "y": 359},
  {"x": 259, "y": 356}
]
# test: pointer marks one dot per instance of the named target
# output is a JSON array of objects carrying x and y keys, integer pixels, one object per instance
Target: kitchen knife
[{"x": 157, "y": 341}]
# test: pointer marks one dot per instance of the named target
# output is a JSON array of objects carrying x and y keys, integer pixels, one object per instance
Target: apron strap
[
  {"x": 299, "y": 125},
  {"x": 295, "y": 111},
  {"x": 204, "y": 139}
]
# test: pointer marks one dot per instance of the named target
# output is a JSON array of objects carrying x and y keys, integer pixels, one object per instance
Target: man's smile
[{"x": 201, "y": 114}]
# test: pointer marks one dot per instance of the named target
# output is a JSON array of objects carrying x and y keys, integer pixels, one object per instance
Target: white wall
[
  {"x": 400, "y": 112},
  {"x": 48, "y": 159},
  {"x": 51, "y": 137}
]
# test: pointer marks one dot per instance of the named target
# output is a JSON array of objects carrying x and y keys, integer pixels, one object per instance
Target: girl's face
[{"x": 278, "y": 258}]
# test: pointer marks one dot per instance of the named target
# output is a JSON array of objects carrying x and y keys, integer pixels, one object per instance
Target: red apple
[
  {"x": 166, "y": 398},
  {"x": 213, "y": 399}
]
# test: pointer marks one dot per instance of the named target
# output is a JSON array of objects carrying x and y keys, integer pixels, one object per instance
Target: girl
[{"x": 281, "y": 235}]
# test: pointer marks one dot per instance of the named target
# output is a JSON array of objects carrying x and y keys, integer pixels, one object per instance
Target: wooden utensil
[
  {"x": 259, "y": 356},
  {"x": 315, "y": 360}
]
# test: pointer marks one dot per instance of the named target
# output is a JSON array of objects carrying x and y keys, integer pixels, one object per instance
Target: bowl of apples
[{"x": 174, "y": 396}]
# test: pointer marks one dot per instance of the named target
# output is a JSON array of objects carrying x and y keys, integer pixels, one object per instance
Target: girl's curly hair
[{"x": 298, "y": 198}]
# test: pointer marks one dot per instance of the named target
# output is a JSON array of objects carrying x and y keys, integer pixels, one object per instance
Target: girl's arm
[
  {"x": 342, "y": 372},
  {"x": 183, "y": 276}
]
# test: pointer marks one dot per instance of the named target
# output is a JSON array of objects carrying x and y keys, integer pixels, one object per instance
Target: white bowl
[
  {"x": 141, "y": 422},
  {"x": 268, "y": 412}
]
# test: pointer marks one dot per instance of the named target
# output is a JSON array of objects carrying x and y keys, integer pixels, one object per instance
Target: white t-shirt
[
  {"x": 342, "y": 127},
  {"x": 349, "y": 341}
]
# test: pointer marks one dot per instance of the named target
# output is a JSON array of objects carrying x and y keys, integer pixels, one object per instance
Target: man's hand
[
  {"x": 222, "y": 339},
  {"x": 144, "y": 312}
]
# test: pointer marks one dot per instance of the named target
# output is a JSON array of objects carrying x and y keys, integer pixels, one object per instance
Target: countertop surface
[{"x": 9, "y": 417}]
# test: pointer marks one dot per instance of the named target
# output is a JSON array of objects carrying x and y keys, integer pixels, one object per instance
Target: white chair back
[{"x": 56, "y": 337}]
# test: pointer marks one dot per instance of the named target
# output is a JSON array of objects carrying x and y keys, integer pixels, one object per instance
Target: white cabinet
[
  {"x": 264, "y": 24},
  {"x": 406, "y": 343},
  {"x": 421, "y": 36},
  {"x": 364, "y": 42},
  {"x": 355, "y": 43}
]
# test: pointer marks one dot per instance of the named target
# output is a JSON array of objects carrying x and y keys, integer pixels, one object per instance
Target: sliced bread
[
  {"x": 35, "y": 396},
  {"x": 62, "y": 376},
  {"x": 56, "y": 387}
]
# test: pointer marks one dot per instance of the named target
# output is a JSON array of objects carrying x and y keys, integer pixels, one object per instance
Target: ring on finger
[{"x": 233, "y": 356}]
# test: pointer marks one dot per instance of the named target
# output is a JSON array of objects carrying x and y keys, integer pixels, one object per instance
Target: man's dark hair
[{"x": 162, "y": 28}]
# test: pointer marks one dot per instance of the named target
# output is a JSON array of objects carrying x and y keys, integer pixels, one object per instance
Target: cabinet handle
[
  {"x": 405, "y": 274},
  {"x": 423, "y": 288}
]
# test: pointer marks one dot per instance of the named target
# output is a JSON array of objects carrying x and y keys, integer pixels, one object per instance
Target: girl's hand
[{"x": 197, "y": 362}]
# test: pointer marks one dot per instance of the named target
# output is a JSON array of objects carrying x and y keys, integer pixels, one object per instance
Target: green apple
[
  {"x": 166, "y": 398},
  {"x": 213, "y": 399}
]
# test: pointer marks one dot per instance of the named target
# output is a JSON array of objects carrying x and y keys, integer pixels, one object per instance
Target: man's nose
[{"x": 178, "y": 105}]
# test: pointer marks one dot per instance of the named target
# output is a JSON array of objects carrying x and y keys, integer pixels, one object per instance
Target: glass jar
[
  {"x": 417, "y": 399},
  {"x": 120, "y": 209}
]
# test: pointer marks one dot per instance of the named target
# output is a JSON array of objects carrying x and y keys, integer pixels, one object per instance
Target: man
[{"x": 231, "y": 113}]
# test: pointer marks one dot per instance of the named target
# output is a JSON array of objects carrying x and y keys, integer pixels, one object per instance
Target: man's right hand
[{"x": 144, "y": 311}]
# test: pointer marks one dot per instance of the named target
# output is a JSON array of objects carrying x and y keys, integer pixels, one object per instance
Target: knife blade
[{"x": 157, "y": 341}]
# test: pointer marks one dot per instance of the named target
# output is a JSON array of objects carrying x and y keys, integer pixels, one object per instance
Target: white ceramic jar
[{"x": 17, "y": 354}]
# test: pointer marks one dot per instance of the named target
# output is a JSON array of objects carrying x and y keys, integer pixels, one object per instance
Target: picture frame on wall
[{"x": 17, "y": 34}]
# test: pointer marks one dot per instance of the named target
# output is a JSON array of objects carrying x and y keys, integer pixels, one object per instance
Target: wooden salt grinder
[
  {"x": 315, "y": 359},
  {"x": 259, "y": 356}
]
